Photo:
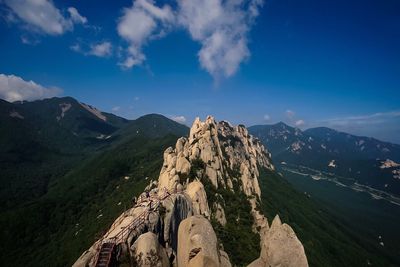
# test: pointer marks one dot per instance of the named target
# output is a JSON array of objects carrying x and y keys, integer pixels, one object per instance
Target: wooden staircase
[
  {"x": 107, "y": 247},
  {"x": 105, "y": 254}
]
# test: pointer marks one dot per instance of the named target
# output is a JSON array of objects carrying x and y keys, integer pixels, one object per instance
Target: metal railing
[{"x": 139, "y": 220}]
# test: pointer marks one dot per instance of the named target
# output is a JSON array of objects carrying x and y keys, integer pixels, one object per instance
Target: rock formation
[
  {"x": 280, "y": 247},
  {"x": 170, "y": 224},
  {"x": 148, "y": 252},
  {"x": 197, "y": 243}
]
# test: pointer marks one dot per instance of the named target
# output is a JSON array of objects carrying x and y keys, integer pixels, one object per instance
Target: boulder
[
  {"x": 180, "y": 145},
  {"x": 195, "y": 190},
  {"x": 147, "y": 252},
  {"x": 182, "y": 166},
  {"x": 177, "y": 208},
  {"x": 197, "y": 244},
  {"x": 280, "y": 247}
]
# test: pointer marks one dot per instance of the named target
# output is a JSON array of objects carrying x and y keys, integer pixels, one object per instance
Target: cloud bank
[
  {"x": 14, "y": 88},
  {"x": 139, "y": 24},
  {"x": 221, "y": 27},
  {"x": 43, "y": 16}
]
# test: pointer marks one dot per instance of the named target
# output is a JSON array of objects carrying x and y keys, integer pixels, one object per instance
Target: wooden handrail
[{"x": 134, "y": 224}]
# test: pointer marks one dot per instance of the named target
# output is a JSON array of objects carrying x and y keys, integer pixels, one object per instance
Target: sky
[{"x": 308, "y": 63}]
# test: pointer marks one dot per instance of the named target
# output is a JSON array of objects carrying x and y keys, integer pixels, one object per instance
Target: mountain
[
  {"x": 354, "y": 147},
  {"x": 153, "y": 126},
  {"x": 354, "y": 178},
  {"x": 64, "y": 123},
  {"x": 207, "y": 194},
  {"x": 60, "y": 193},
  {"x": 215, "y": 203},
  {"x": 44, "y": 139},
  {"x": 57, "y": 158},
  {"x": 365, "y": 160}
]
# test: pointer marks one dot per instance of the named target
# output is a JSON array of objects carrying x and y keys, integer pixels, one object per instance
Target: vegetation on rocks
[{"x": 237, "y": 237}]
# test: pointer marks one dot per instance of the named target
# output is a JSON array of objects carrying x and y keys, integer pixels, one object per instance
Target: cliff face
[{"x": 198, "y": 187}]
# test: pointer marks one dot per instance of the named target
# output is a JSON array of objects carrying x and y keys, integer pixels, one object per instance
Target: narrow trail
[{"x": 106, "y": 246}]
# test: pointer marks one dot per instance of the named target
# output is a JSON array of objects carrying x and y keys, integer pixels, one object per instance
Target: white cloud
[
  {"x": 267, "y": 117},
  {"x": 76, "y": 17},
  {"x": 179, "y": 119},
  {"x": 290, "y": 114},
  {"x": 14, "y": 88},
  {"x": 139, "y": 24},
  {"x": 76, "y": 47},
  {"x": 43, "y": 16},
  {"x": 221, "y": 27},
  {"x": 28, "y": 40},
  {"x": 115, "y": 109},
  {"x": 299, "y": 123},
  {"x": 137, "y": 98},
  {"x": 103, "y": 49}
]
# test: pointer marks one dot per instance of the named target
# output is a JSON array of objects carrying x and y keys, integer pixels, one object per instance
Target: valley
[
  {"x": 371, "y": 215},
  {"x": 340, "y": 181}
]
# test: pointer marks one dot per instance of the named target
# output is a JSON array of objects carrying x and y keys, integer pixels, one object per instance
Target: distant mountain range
[
  {"x": 59, "y": 158},
  {"x": 45, "y": 138},
  {"x": 59, "y": 131},
  {"x": 67, "y": 170},
  {"x": 67, "y": 124},
  {"x": 366, "y": 160}
]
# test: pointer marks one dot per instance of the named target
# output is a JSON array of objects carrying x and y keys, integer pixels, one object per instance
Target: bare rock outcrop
[
  {"x": 280, "y": 247},
  {"x": 174, "y": 213},
  {"x": 147, "y": 252},
  {"x": 147, "y": 216},
  {"x": 195, "y": 190},
  {"x": 177, "y": 208},
  {"x": 225, "y": 151},
  {"x": 197, "y": 246}
]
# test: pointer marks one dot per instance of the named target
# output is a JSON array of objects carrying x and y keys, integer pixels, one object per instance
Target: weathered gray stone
[
  {"x": 197, "y": 243},
  {"x": 195, "y": 190},
  {"x": 281, "y": 248},
  {"x": 147, "y": 252}
]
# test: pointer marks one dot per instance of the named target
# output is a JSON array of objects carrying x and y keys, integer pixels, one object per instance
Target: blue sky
[{"x": 307, "y": 63}]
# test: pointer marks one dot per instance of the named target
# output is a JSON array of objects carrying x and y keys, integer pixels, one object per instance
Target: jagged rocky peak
[
  {"x": 172, "y": 223},
  {"x": 280, "y": 247},
  {"x": 226, "y": 156},
  {"x": 221, "y": 148}
]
